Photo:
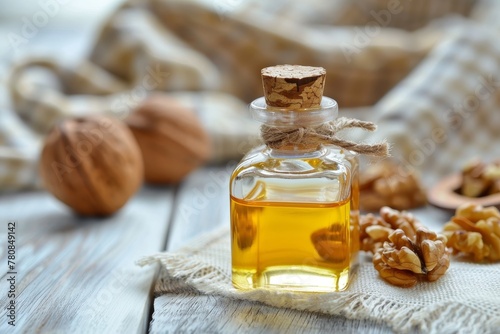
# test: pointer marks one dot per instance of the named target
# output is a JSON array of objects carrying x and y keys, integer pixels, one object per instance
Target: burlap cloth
[
  {"x": 429, "y": 65},
  {"x": 466, "y": 300}
]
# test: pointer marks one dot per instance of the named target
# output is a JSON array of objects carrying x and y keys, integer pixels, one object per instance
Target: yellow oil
[
  {"x": 291, "y": 246},
  {"x": 354, "y": 215}
]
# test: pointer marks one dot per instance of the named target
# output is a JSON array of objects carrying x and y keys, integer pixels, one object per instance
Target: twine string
[{"x": 276, "y": 137}]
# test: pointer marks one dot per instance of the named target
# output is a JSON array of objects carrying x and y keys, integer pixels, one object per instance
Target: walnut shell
[
  {"x": 171, "y": 137},
  {"x": 92, "y": 164}
]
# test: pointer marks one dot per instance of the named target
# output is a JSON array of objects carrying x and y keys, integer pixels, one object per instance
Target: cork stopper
[{"x": 293, "y": 86}]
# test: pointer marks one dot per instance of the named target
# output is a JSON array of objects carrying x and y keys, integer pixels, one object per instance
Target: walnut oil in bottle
[{"x": 294, "y": 201}]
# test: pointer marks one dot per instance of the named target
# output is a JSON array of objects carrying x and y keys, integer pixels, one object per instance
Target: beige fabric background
[{"x": 408, "y": 68}]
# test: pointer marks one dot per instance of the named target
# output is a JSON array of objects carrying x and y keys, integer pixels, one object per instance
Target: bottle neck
[
  {"x": 290, "y": 132},
  {"x": 294, "y": 139},
  {"x": 285, "y": 117},
  {"x": 296, "y": 151},
  {"x": 299, "y": 148}
]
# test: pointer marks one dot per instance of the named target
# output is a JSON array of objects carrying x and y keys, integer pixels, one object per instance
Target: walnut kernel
[
  {"x": 475, "y": 232},
  {"x": 384, "y": 185},
  {"x": 402, "y": 261}
]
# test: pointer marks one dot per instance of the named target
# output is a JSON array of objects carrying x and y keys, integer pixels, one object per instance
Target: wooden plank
[
  {"x": 202, "y": 206},
  {"x": 78, "y": 275},
  {"x": 210, "y": 314}
]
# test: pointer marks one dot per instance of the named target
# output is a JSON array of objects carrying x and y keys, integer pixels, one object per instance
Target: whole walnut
[
  {"x": 93, "y": 164},
  {"x": 171, "y": 138}
]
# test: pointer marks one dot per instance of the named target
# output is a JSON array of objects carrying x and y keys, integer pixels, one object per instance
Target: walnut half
[
  {"x": 480, "y": 178},
  {"x": 374, "y": 231},
  {"x": 384, "y": 184},
  {"x": 403, "y": 261},
  {"x": 475, "y": 231}
]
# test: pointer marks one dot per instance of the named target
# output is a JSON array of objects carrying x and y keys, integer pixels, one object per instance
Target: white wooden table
[{"x": 78, "y": 275}]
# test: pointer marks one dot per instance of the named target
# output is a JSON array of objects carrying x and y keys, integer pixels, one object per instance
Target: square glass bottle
[{"x": 292, "y": 200}]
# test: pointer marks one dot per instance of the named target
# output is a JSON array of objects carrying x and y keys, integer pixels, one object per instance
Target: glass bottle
[{"x": 291, "y": 207}]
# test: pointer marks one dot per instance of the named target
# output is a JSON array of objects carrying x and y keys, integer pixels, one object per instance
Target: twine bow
[{"x": 276, "y": 137}]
